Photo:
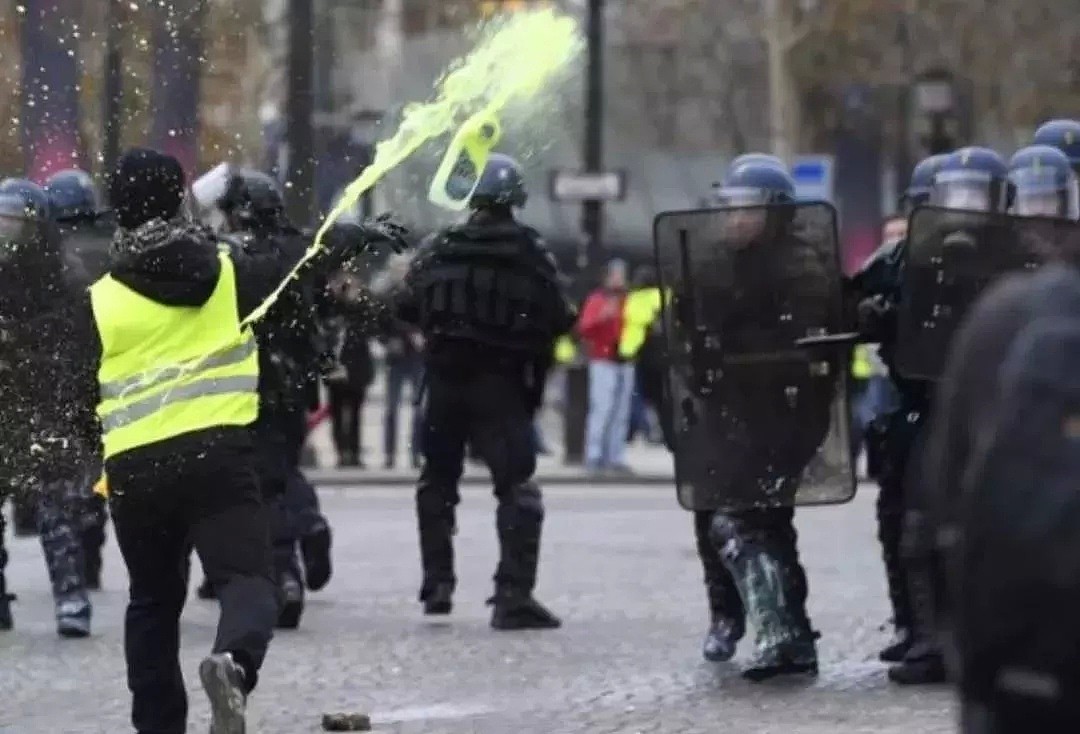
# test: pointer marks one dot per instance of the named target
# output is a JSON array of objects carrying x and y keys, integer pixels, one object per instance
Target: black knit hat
[{"x": 146, "y": 185}]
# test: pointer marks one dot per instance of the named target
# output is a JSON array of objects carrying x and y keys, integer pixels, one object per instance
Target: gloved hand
[
  {"x": 875, "y": 316},
  {"x": 383, "y": 229}
]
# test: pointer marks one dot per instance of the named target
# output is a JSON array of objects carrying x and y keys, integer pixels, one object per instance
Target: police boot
[
  {"x": 6, "y": 620},
  {"x": 519, "y": 519},
  {"x": 315, "y": 551},
  {"x": 73, "y": 615},
  {"x": 435, "y": 523},
  {"x": 206, "y": 590},
  {"x": 923, "y": 664},
  {"x": 25, "y": 515},
  {"x": 722, "y": 638},
  {"x": 890, "y": 528},
  {"x": 515, "y": 609},
  {"x": 292, "y": 594},
  {"x": 439, "y": 600},
  {"x": 784, "y": 642}
]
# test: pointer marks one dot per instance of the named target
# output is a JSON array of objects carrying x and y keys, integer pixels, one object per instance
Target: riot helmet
[
  {"x": 747, "y": 189},
  {"x": 1065, "y": 136},
  {"x": 35, "y": 199},
  {"x": 756, "y": 181},
  {"x": 252, "y": 200},
  {"x": 502, "y": 184},
  {"x": 72, "y": 196},
  {"x": 1044, "y": 184},
  {"x": 24, "y": 221},
  {"x": 922, "y": 178},
  {"x": 972, "y": 179},
  {"x": 764, "y": 159}
]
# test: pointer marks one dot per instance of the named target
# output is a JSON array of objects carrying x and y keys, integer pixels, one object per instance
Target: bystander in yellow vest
[{"x": 640, "y": 311}]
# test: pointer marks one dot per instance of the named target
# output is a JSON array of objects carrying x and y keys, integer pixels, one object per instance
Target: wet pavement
[{"x": 618, "y": 565}]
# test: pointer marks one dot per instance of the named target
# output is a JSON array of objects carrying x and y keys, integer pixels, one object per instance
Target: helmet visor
[
  {"x": 735, "y": 196},
  {"x": 1044, "y": 193},
  {"x": 972, "y": 191}
]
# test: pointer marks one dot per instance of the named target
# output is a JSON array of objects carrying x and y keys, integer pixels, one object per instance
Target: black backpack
[{"x": 1017, "y": 563}]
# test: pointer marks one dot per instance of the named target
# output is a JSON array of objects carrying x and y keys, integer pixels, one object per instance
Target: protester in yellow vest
[{"x": 177, "y": 377}]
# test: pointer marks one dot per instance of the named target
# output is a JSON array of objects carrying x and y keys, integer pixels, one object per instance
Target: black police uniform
[
  {"x": 733, "y": 545},
  {"x": 49, "y": 438},
  {"x": 291, "y": 349},
  {"x": 487, "y": 299}
]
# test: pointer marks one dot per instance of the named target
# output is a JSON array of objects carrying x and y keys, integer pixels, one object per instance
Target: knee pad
[
  {"x": 435, "y": 499},
  {"x": 3, "y": 558},
  {"x": 526, "y": 497}
]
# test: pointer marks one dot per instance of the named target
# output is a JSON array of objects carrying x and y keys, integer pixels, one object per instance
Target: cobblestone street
[{"x": 618, "y": 565}]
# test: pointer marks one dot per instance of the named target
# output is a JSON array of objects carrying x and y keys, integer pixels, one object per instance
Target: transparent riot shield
[
  {"x": 952, "y": 257},
  {"x": 758, "y": 421}
]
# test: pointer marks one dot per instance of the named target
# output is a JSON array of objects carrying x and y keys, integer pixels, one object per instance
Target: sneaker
[
  {"x": 73, "y": 617},
  {"x": 223, "y": 680}
]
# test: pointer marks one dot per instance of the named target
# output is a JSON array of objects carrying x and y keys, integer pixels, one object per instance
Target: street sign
[
  {"x": 570, "y": 186},
  {"x": 814, "y": 177}
]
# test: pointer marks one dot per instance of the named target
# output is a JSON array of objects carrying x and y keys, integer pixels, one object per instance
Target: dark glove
[
  {"x": 383, "y": 229},
  {"x": 875, "y": 316}
]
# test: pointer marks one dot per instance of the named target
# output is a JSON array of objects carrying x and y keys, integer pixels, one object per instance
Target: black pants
[
  {"x": 346, "y": 404},
  {"x": 491, "y": 412},
  {"x": 900, "y": 444},
  {"x": 723, "y": 594},
  {"x": 211, "y": 501}
]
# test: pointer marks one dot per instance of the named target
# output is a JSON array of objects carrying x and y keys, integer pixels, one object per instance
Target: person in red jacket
[{"x": 611, "y": 380}]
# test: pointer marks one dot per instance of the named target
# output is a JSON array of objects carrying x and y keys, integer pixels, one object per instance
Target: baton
[{"x": 826, "y": 340}]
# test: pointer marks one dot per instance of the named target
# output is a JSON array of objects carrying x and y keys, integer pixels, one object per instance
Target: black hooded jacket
[{"x": 182, "y": 269}]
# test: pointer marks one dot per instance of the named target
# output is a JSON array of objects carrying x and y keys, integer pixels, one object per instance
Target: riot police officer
[
  {"x": 739, "y": 550},
  {"x": 892, "y": 436},
  {"x": 253, "y": 219},
  {"x": 85, "y": 233},
  {"x": 48, "y": 438},
  {"x": 1063, "y": 135},
  {"x": 970, "y": 180},
  {"x": 487, "y": 298},
  {"x": 1043, "y": 183}
]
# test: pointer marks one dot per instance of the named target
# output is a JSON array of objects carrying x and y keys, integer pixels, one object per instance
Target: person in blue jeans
[
  {"x": 611, "y": 378},
  {"x": 404, "y": 365}
]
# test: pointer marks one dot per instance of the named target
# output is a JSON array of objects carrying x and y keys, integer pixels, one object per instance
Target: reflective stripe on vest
[{"x": 169, "y": 370}]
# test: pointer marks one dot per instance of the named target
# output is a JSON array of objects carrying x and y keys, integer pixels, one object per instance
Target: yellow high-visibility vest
[
  {"x": 565, "y": 350},
  {"x": 170, "y": 370},
  {"x": 861, "y": 366},
  {"x": 639, "y": 312}
]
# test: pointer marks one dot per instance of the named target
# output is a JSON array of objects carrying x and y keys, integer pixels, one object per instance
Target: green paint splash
[{"x": 514, "y": 60}]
